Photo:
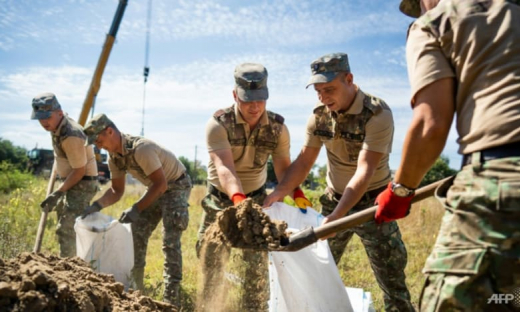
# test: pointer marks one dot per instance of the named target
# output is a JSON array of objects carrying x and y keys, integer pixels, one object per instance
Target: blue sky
[{"x": 54, "y": 46}]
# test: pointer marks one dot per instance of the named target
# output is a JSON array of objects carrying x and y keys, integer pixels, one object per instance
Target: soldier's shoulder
[
  {"x": 374, "y": 103},
  {"x": 276, "y": 117},
  {"x": 223, "y": 111},
  {"x": 319, "y": 108}
]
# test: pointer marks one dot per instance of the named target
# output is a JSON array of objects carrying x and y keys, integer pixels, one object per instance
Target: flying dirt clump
[
  {"x": 37, "y": 282},
  {"x": 247, "y": 226}
]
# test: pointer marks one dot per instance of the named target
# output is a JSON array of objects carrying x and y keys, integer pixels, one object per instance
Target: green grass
[{"x": 20, "y": 214}]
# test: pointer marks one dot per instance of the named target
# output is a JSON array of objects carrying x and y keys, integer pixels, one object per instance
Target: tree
[
  {"x": 197, "y": 172},
  {"x": 15, "y": 155},
  {"x": 438, "y": 171}
]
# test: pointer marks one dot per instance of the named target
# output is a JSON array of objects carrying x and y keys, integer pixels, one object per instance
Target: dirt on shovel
[
  {"x": 38, "y": 282},
  {"x": 246, "y": 226}
]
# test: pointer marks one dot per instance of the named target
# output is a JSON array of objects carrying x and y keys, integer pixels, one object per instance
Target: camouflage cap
[
  {"x": 327, "y": 67},
  {"x": 94, "y": 126},
  {"x": 251, "y": 82},
  {"x": 43, "y": 104},
  {"x": 411, "y": 8}
]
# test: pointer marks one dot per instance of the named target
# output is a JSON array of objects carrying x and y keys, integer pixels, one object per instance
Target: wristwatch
[{"x": 401, "y": 190}]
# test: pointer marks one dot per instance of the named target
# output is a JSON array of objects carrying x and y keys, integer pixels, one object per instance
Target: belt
[
  {"x": 85, "y": 178},
  {"x": 503, "y": 151},
  {"x": 368, "y": 195},
  {"x": 221, "y": 195}
]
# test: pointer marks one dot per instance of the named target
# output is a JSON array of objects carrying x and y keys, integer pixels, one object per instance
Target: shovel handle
[
  {"x": 43, "y": 218},
  {"x": 368, "y": 214}
]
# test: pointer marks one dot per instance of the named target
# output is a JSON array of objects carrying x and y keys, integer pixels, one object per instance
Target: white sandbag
[
  {"x": 107, "y": 245},
  {"x": 308, "y": 279}
]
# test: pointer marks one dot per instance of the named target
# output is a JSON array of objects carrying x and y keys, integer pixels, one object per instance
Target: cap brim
[
  {"x": 410, "y": 10},
  {"x": 40, "y": 114},
  {"x": 252, "y": 95},
  {"x": 321, "y": 78}
]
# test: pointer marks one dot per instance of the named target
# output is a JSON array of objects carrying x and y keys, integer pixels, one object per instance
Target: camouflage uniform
[
  {"x": 172, "y": 207},
  {"x": 265, "y": 141},
  {"x": 477, "y": 252},
  {"x": 76, "y": 198},
  {"x": 383, "y": 244}
]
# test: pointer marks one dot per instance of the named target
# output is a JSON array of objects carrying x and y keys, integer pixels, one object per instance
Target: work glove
[
  {"x": 130, "y": 215},
  {"x": 301, "y": 201},
  {"x": 391, "y": 207},
  {"x": 237, "y": 198},
  {"x": 95, "y": 207},
  {"x": 51, "y": 201}
]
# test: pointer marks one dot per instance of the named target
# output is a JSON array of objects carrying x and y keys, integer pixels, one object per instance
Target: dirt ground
[{"x": 38, "y": 282}]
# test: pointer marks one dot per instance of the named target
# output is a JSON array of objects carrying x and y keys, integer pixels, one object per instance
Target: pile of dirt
[
  {"x": 37, "y": 282},
  {"x": 246, "y": 226}
]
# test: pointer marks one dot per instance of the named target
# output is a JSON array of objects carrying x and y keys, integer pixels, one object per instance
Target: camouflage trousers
[
  {"x": 475, "y": 263},
  {"x": 172, "y": 208},
  {"x": 254, "y": 273},
  {"x": 384, "y": 247},
  {"x": 68, "y": 209}
]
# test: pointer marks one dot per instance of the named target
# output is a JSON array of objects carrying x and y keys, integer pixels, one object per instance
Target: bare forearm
[
  {"x": 72, "y": 179},
  {"x": 109, "y": 197},
  {"x": 229, "y": 181},
  {"x": 353, "y": 192},
  {"x": 151, "y": 195},
  {"x": 423, "y": 144},
  {"x": 294, "y": 176}
]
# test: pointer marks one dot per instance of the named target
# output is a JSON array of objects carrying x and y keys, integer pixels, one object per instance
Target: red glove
[
  {"x": 300, "y": 200},
  {"x": 391, "y": 207},
  {"x": 237, "y": 198}
]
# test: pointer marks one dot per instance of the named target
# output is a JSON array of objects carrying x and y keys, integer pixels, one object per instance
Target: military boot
[
  {"x": 138, "y": 278},
  {"x": 171, "y": 294}
]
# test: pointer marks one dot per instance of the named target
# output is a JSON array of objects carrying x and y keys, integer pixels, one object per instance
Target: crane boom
[{"x": 102, "y": 62}]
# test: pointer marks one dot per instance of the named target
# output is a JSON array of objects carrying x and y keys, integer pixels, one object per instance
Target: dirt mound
[
  {"x": 247, "y": 226},
  {"x": 37, "y": 282}
]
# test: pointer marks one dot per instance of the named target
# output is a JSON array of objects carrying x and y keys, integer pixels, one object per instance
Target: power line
[{"x": 146, "y": 70}]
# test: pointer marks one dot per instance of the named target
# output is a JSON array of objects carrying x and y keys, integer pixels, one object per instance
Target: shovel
[{"x": 310, "y": 235}]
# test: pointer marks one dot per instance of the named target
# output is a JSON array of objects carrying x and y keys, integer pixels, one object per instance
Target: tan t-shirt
[
  {"x": 379, "y": 132},
  {"x": 251, "y": 176},
  {"x": 149, "y": 157},
  {"x": 77, "y": 155},
  {"x": 481, "y": 50}
]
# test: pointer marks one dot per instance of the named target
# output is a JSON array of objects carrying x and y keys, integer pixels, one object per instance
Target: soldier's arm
[
  {"x": 358, "y": 184},
  {"x": 72, "y": 179},
  {"x": 227, "y": 175},
  {"x": 76, "y": 152},
  {"x": 114, "y": 193},
  {"x": 433, "y": 114},
  {"x": 295, "y": 174},
  {"x": 154, "y": 191}
]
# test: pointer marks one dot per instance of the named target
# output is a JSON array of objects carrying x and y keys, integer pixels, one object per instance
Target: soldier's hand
[
  {"x": 390, "y": 206},
  {"x": 95, "y": 207},
  {"x": 130, "y": 215},
  {"x": 237, "y": 198},
  {"x": 51, "y": 201},
  {"x": 301, "y": 201}
]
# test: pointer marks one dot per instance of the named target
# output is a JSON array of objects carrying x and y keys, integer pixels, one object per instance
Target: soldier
[
  {"x": 240, "y": 140},
  {"x": 166, "y": 197},
  {"x": 75, "y": 165},
  {"x": 463, "y": 57},
  {"x": 357, "y": 130}
]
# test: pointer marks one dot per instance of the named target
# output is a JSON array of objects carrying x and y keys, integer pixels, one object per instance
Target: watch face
[{"x": 401, "y": 191}]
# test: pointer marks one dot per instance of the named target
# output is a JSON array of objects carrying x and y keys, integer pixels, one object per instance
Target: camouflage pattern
[
  {"x": 384, "y": 247},
  {"x": 69, "y": 128},
  {"x": 251, "y": 82},
  {"x": 172, "y": 208},
  {"x": 411, "y": 8},
  {"x": 43, "y": 104},
  {"x": 255, "y": 273},
  {"x": 351, "y": 128},
  {"x": 327, "y": 67},
  {"x": 68, "y": 209},
  {"x": 95, "y": 125},
  {"x": 477, "y": 252},
  {"x": 266, "y": 136},
  {"x": 127, "y": 162}
]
